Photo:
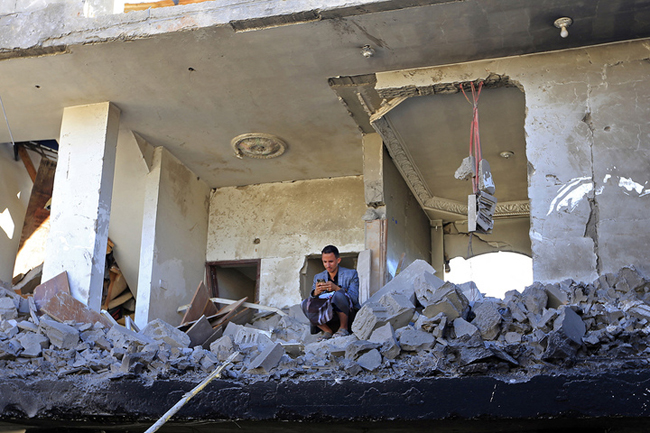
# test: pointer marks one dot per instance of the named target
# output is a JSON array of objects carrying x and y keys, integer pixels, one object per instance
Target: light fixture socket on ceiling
[
  {"x": 507, "y": 154},
  {"x": 367, "y": 51},
  {"x": 562, "y": 24},
  {"x": 258, "y": 146}
]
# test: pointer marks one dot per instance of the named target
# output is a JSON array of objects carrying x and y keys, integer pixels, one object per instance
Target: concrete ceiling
[{"x": 193, "y": 91}]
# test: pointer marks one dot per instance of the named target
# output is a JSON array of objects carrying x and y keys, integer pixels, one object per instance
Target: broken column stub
[
  {"x": 160, "y": 330},
  {"x": 403, "y": 282},
  {"x": 488, "y": 319}
]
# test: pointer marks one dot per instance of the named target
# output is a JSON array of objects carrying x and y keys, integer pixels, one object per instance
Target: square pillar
[{"x": 81, "y": 199}]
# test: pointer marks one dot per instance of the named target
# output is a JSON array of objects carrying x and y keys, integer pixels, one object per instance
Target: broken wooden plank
[
  {"x": 51, "y": 287},
  {"x": 28, "y": 282},
  {"x": 245, "y": 304},
  {"x": 200, "y": 305},
  {"x": 62, "y": 306},
  {"x": 120, "y": 299},
  {"x": 199, "y": 332},
  {"x": 212, "y": 338},
  {"x": 231, "y": 312},
  {"x": 27, "y": 161}
]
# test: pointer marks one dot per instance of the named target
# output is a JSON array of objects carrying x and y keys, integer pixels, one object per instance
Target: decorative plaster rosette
[{"x": 258, "y": 146}]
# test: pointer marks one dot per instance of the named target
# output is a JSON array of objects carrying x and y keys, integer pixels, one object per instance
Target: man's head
[{"x": 331, "y": 258}]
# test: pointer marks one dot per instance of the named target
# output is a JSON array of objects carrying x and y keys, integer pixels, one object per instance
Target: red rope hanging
[{"x": 474, "y": 138}]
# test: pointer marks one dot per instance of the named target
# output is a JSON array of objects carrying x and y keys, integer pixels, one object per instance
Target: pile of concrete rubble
[{"x": 417, "y": 325}]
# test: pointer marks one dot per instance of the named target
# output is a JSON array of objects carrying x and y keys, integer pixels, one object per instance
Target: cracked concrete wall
[
  {"x": 587, "y": 146},
  {"x": 282, "y": 223}
]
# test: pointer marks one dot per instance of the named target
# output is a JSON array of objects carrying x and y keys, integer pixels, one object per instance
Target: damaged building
[{"x": 147, "y": 149}]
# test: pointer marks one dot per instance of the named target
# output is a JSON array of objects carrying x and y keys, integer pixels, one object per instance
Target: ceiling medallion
[{"x": 258, "y": 146}]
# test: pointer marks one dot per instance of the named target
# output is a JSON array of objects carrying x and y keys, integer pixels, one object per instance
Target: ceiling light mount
[
  {"x": 258, "y": 146},
  {"x": 507, "y": 154},
  {"x": 367, "y": 51},
  {"x": 562, "y": 24}
]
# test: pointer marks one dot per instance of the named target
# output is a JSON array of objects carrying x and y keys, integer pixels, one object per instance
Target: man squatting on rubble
[{"x": 335, "y": 290}]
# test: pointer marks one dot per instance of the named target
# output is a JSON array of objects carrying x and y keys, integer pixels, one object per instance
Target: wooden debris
[
  {"x": 200, "y": 305},
  {"x": 48, "y": 289},
  {"x": 200, "y": 332},
  {"x": 245, "y": 304},
  {"x": 62, "y": 306},
  {"x": 26, "y": 283},
  {"x": 120, "y": 299}
]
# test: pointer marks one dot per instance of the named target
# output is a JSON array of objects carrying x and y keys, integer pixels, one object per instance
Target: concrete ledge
[{"x": 578, "y": 400}]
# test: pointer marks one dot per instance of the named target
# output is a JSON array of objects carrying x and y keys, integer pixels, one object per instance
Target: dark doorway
[{"x": 234, "y": 279}]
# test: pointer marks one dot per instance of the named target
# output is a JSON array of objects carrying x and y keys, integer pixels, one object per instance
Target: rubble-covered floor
[{"x": 560, "y": 356}]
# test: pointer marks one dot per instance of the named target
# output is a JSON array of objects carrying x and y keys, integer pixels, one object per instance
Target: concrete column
[
  {"x": 373, "y": 172},
  {"x": 437, "y": 248},
  {"x": 81, "y": 200}
]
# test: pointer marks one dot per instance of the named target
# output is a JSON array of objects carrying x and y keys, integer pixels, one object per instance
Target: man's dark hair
[{"x": 331, "y": 249}]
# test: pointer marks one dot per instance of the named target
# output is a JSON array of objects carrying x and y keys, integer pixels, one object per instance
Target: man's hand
[{"x": 326, "y": 287}]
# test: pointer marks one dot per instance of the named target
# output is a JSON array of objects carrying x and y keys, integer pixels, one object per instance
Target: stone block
[
  {"x": 463, "y": 328},
  {"x": 61, "y": 335},
  {"x": 487, "y": 319},
  {"x": 385, "y": 336},
  {"x": 371, "y": 316},
  {"x": 413, "y": 340},
  {"x": 535, "y": 298},
  {"x": 8, "y": 309},
  {"x": 513, "y": 338},
  {"x": 33, "y": 344},
  {"x": 558, "y": 294},
  {"x": 370, "y": 360},
  {"x": 268, "y": 359},
  {"x": 471, "y": 292},
  {"x": 162, "y": 331},
  {"x": 425, "y": 286},
  {"x": 295, "y": 312},
  {"x": 399, "y": 308},
  {"x": 570, "y": 324},
  {"x": 26, "y": 325},
  {"x": 248, "y": 338},
  {"x": 403, "y": 282},
  {"x": 356, "y": 348},
  {"x": 122, "y": 337},
  {"x": 443, "y": 306}
]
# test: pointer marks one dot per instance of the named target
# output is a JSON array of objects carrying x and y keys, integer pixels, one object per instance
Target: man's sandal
[
  {"x": 325, "y": 336},
  {"x": 342, "y": 333}
]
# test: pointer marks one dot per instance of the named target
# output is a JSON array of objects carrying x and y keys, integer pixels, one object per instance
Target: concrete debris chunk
[
  {"x": 425, "y": 286},
  {"x": 414, "y": 340},
  {"x": 403, "y": 282},
  {"x": 268, "y": 359},
  {"x": 61, "y": 335},
  {"x": 357, "y": 348},
  {"x": 471, "y": 349},
  {"x": 447, "y": 299},
  {"x": 370, "y": 360},
  {"x": 471, "y": 292},
  {"x": 558, "y": 294},
  {"x": 513, "y": 338},
  {"x": 8, "y": 309},
  {"x": 385, "y": 336},
  {"x": 462, "y": 328},
  {"x": 488, "y": 319},
  {"x": 535, "y": 299},
  {"x": 122, "y": 337},
  {"x": 248, "y": 338},
  {"x": 222, "y": 347},
  {"x": 570, "y": 324},
  {"x": 160, "y": 330},
  {"x": 33, "y": 344},
  {"x": 467, "y": 169}
]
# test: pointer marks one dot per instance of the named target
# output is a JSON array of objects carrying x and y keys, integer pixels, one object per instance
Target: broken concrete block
[
  {"x": 268, "y": 359},
  {"x": 122, "y": 337},
  {"x": 513, "y": 338},
  {"x": 463, "y": 328},
  {"x": 160, "y": 330},
  {"x": 413, "y": 340},
  {"x": 535, "y": 299},
  {"x": 295, "y": 312},
  {"x": 247, "y": 338},
  {"x": 403, "y": 282},
  {"x": 558, "y": 294},
  {"x": 425, "y": 286},
  {"x": 61, "y": 335},
  {"x": 351, "y": 367},
  {"x": 223, "y": 344},
  {"x": 560, "y": 346},
  {"x": 447, "y": 299},
  {"x": 543, "y": 321},
  {"x": 370, "y": 360},
  {"x": 33, "y": 344},
  {"x": 628, "y": 278},
  {"x": 517, "y": 310},
  {"x": 471, "y": 349},
  {"x": 399, "y": 308},
  {"x": 570, "y": 324},
  {"x": 385, "y": 336},
  {"x": 8, "y": 309},
  {"x": 467, "y": 169},
  {"x": 290, "y": 329},
  {"x": 487, "y": 320},
  {"x": 471, "y": 292},
  {"x": 27, "y": 326},
  {"x": 368, "y": 318},
  {"x": 356, "y": 348}
]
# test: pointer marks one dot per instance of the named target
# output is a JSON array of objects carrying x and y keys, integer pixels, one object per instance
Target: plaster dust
[
  {"x": 587, "y": 112},
  {"x": 291, "y": 220}
]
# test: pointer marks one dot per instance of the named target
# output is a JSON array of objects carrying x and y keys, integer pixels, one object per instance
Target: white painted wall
[
  {"x": 409, "y": 230},
  {"x": 127, "y": 209},
  {"x": 588, "y": 145},
  {"x": 15, "y": 189},
  {"x": 174, "y": 233},
  {"x": 291, "y": 220}
]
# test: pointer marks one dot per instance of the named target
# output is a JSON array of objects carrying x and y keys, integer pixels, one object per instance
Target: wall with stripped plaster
[
  {"x": 588, "y": 147},
  {"x": 282, "y": 223}
]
